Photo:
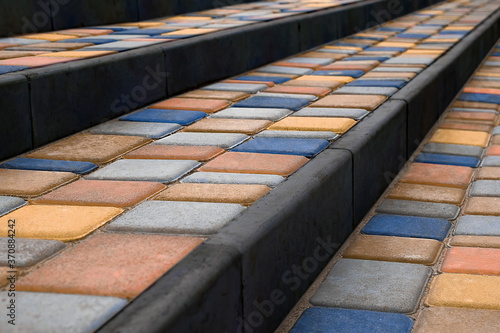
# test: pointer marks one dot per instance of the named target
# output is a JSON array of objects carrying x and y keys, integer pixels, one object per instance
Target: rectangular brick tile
[
  {"x": 221, "y": 125},
  {"x": 233, "y": 96},
  {"x": 460, "y": 137},
  {"x": 367, "y": 102},
  {"x": 31, "y": 183},
  {"x": 418, "y": 208},
  {"x": 456, "y": 320},
  {"x": 439, "y": 175},
  {"x": 476, "y": 241},
  {"x": 418, "y": 192},
  {"x": 337, "y": 125},
  {"x": 482, "y": 206},
  {"x": 34, "y": 61},
  {"x": 491, "y": 173},
  {"x": 472, "y": 260},
  {"x": 193, "y": 104},
  {"x": 273, "y": 164},
  {"x": 163, "y": 152},
  {"x": 316, "y": 91},
  {"x": 110, "y": 265}
]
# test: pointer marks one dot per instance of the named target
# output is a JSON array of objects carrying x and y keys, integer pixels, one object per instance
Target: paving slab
[
  {"x": 441, "y": 175},
  {"x": 219, "y": 193},
  {"x": 328, "y": 124},
  {"x": 287, "y": 146},
  {"x": 64, "y": 223},
  {"x": 459, "y": 137},
  {"x": 478, "y": 225},
  {"x": 233, "y": 96},
  {"x": 62, "y": 312},
  {"x": 417, "y": 192},
  {"x": 444, "y": 320},
  {"x": 332, "y": 112},
  {"x": 492, "y": 161},
  {"x": 377, "y": 83},
  {"x": 325, "y": 135},
  {"x": 192, "y": 104},
  {"x": 367, "y": 102},
  {"x": 164, "y": 152},
  {"x": 319, "y": 319},
  {"x": 255, "y": 163},
  {"x": 273, "y": 102},
  {"x": 372, "y": 285},
  {"x": 110, "y": 265},
  {"x": 464, "y": 291},
  {"x": 30, "y": 251},
  {"x": 485, "y": 188},
  {"x": 467, "y": 161},
  {"x": 482, "y": 206},
  {"x": 101, "y": 193},
  {"x": 262, "y": 78},
  {"x": 222, "y": 125},
  {"x": 284, "y": 70},
  {"x": 417, "y": 208},
  {"x": 471, "y": 260},
  {"x": 310, "y": 98},
  {"x": 222, "y": 140},
  {"x": 31, "y": 183},
  {"x": 252, "y": 113},
  {"x": 8, "y": 204},
  {"x": 407, "y": 226},
  {"x": 476, "y": 241},
  {"x": 316, "y": 91},
  {"x": 232, "y": 178},
  {"x": 180, "y": 117},
  {"x": 134, "y": 128},
  {"x": 449, "y": 149},
  {"x": 352, "y": 90},
  {"x": 250, "y": 88},
  {"x": 22, "y": 163},
  {"x": 163, "y": 171},
  {"x": 177, "y": 217},
  {"x": 396, "y": 249},
  {"x": 93, "y": 148}
]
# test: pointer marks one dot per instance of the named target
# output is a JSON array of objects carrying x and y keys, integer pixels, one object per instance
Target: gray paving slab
[
  {"x": 176, "y": 217},
  {"x": 298, "y": 135},
  {"x": 372, "y": 285},
  {"x": 418, "y": 208},
  {"x": 252, "y": 113},
  {"x": 243, "y": 87},
  {"x": 8, "y": 204},
  {"x": 30, "y": 251},
  {"x": 397, "y": 69},
  {"x": 163, "y": 171},
  {"x": 337, "y": 51},
  {"x": 496, "y": 131},
  {"x": 478, "y": 225},
  {"x": 232, "y": 178},
  {"x": 307, "y": 60},
  {"x": 60, "y": 312},
  {"x": 449, "y": 149},
  {"x": 285, "y": 70},
  {"x": 485, "y": 188},
  {"x": 135, "y": 128},
  {"x": 21, "y": 41},
  {"x": 410, "y": 61},
  {"x": 301, "y": 96},
  {"x": 492, "y": 161},
  {"x": 331, "y": 112},
  {"x": 118, "y": 37},
  {"x": 386, "y": 91},
  {"x": 222, "y": 140}
]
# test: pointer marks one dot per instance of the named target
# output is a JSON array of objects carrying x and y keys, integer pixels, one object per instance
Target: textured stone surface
[
  {"x": 21, "y": 163},
  {"x": 318, "y": 319},
  {"x": 60, "y": 312},
  {"x": 193, "y": 104},
  {"x": 464, "y": 291},
  {"x": 398, "y": 249},
  {"x": 222, "y": 140},
  {"x": 372, "y": 285},
  {"x": 447, "y": 160},
  {"x": 176, "y": 217},
  {"x": 418, "y": 192},
  {"x": 8, "y": 204},
  {"x": 232, "y": 178},
  {"x": 65, "y": 223},
  {"x": 243, "y": 87},
  {"x": 220, "y": 125},
  {"x": 461, "y": 150},
  {"x": 163, "y": 171},
  {"x": 456, "y": 320},
  {"x": 441, "y": 175},
  {"x": 30, "y": 251},
  {"x": 252, "y": 113},
  {"x": 110, "y": 265},
  {"x": 491, "y": 161},
  {"x": 367, "y": 102},
  {"x": 482, "y": 206},
  {"x": 478, "y": 225},
  {"x": 178, "y": 117},
  {"x": 328, "y": 124},
  {"x": 101, "y": 193},
  {"x": 287, "y": 146},
  {"x": 471, "y": 260},
  {"x": 476, "y": 241},
  {"x": 485, "y": 188},
  {"x": 273, "y": 102},
  {"x": 30, "y": 183},
  {"x": 134, "y": 128},
  {"x": 417, "y": 208},
  {"x": 331, "y": 112},
  {"x": 164, "y": 152},
  {"x": 458, "y": 137},
  {"x": 298, "y": 135}
]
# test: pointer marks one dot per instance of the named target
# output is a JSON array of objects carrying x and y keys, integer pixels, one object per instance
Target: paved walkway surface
[
  {"x": 44, "y": 49},
  {"x": 99, "y": 216},
  {"x": 427, "y": 258}
]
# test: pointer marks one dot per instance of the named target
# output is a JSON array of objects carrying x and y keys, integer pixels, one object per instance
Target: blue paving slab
[
  {"x": 49, "y": 165},
  {"x": 478, "y": 225},
  {"x": 114, "y": 28},
  {"x": 150, "y": 32},
  {"x": 287, "y": 146},
  {"x": 11, "y": 69},
  {"x": 484, "y": 98},
  {"x": 319, "y": 319},
  {"x": 293, "y": 104},
  {"x": 363, "y": 58},
  {"x": 96, "y": 41},
  {"x": 363, "y": 46},
  {"x": 417, "y": 36},
  {"x": 377, "y": 83},
  {"x": 448, "y": 160},
  {"x": 275, "y": 79},
  {"x": 372, "y": 285},
  {"x": 181, "y": 117},
  {"x": 496, "y": 54},
  {"x": 8, "y": 204},
  {"x": 454, "y": 32},
  {"x": 391, "y": 29},
  {"x": 367, "y": 38},
  {"x": 408, "y": 226},
  {"x": 351, "y": 73},
  {"x": 386, "y": 48}
]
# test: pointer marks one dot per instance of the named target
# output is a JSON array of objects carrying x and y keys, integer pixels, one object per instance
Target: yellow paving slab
[
  {"x": 367, "y": 102},
  {"x": 458, "y": 137},
  {"x": 337, "y": 125},
  {"x": 64, "y": 223},
  {"x": 465, "y": 291},
  {"x": 50, "y": 37},
  {"x": 79, "y": 54}
]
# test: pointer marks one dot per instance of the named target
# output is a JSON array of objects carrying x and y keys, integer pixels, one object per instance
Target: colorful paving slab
[
  {"x": 101, "y": 215},
  {"x": 441, "y": 219}
]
